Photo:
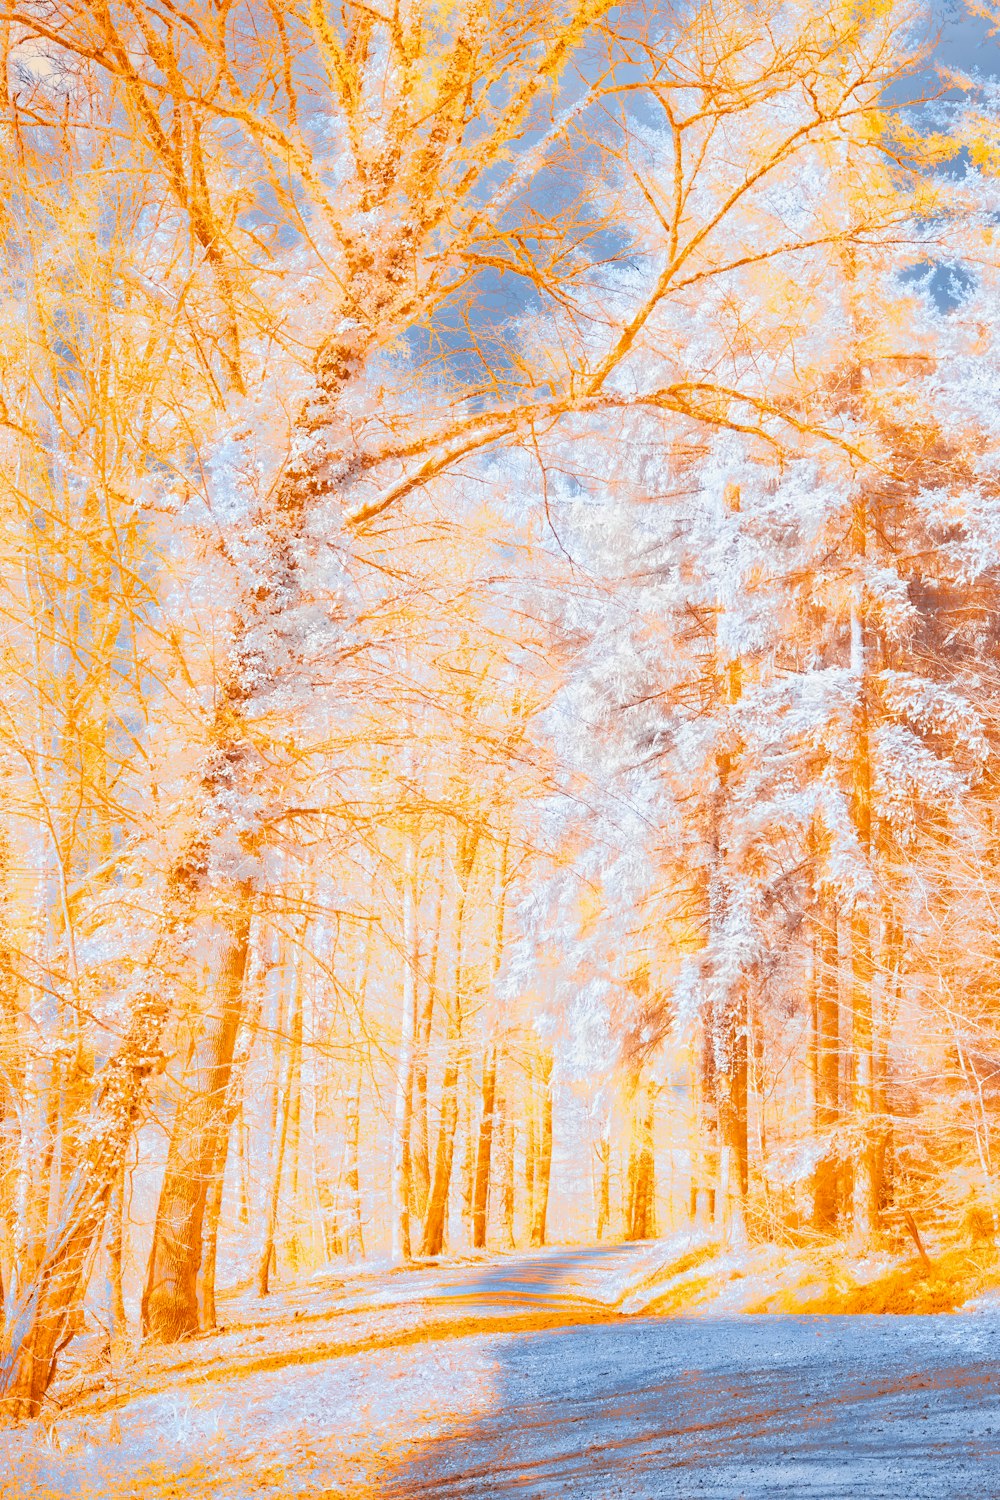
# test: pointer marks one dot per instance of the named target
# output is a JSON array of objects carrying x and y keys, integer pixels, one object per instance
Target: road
[
  {"x": 741, "y": 1407},
  {"x": 749, "y": 1407},
  {"x": 518, "y": 1378}
]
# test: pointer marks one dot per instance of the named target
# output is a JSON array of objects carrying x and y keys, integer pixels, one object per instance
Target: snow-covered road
[
  {"x": 467, "y": 1382},
  {"x": 750, "y": 1406}
]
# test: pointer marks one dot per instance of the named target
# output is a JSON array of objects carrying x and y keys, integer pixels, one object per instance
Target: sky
[{"x": 965, "y": 41}]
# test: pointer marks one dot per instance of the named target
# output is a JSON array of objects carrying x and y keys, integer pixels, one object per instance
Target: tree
[{"x": 293, "y": 452}]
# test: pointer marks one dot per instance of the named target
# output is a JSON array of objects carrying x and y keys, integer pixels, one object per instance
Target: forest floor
[{"x": 655, "y": 1369}]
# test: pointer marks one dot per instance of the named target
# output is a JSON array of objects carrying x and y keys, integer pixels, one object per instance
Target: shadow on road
[
  {"x": 751, "y": 1407},
  {"x": 548, "y": 1278}
]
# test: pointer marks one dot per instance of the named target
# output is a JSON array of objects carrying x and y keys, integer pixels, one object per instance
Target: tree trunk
[
  {"x": 728, "y": 982},
  {"x": 352, "y": 1122},
  {"x": 118, "y": 1324},
  {"x": 730, "y": 1041},
  {"x": 642, "y": 1172},
  {"x": 36, "y": 1324},
  {"x": 435, "y": 1224},
  {"x": 506, "y": 1165},
  {"x": 11, "y": 1083},
  {"x": 634, "y": 1200},
  {"x": 530, "y": 1159},
  {"x": 729, "y": 1077},
  {"x": 352, "y": 1153},
  {"x": 468, "y": 1134},
  {"x": 826, "y": 990},
  {"x": 401, "y": 1189},
  {"x": 170, "y": 1298},
  {"x": 294, "y": 1110},
  {"x": 604, "y": 1180},
  {"x": 232, "y": 1119},
  {"x": 758, "y": 1093},
  {"x": 892, "y": 965},
  {"x": 420, "y": 1169},
  {"x": 864, "y": 1195},
  {"x": 9, "y": 1144},
  {"x": 243, "y": 1149},
  {"x": 543, "y": 1166},
  {"x": 705, "y": 1153},
  {"x": 485, "y": 1149},
  {"x": 265, "y": 1264},
  {"x": 43, "y": 1204},
  {"x": 741, "y": 1099},
  {"x": 213, "y": 1212},
  {"x": 437, "y": 1205},
  {"x": 864, "y": 1204},
  {"x": 487, "y": 1119},
  {"x": 279, "y": 1135}
]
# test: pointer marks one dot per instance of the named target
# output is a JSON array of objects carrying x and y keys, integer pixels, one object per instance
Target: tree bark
[
  {"x": 485, "y": 1148},
  {"x": 118, "y": 1324},
  {"x": 864, "y": 1192},
  {"x": 279, "y": 1136},
  {"x": 604, "y": 1180},
  {"x": 728, "y": 993},
  {"x": 435, "y": 1223},
  {"x": 170, "y": 1298},
  {"x": 352, "y": 1121},
  {"x": 419, "y": 1134},
  {"x": 530, "y": 1159},
  {"x": 706, "y": 1149},
  {"x": 352, "y": 1154},
  {"x": 731, "y": 1096},
  {"x": 35, "y": 1326},
  {"x": 642, "y": 1170},
  {"x": 43, "y": 1204},
  {"x": 294, "y": 1111},
  {"x": 213, "y": 1213},
  {"x": 865, "y": 1188},
  {"x": 265, "y": 1263},
  {"x": 506, "y": 1165},
  {"x": 468, "y": 1134},
  {"x": 826, "y": 990},
  {"x": 543, "y": 1167},
  {"x": 484, "y": 1153},
  {"x": 232, "y": 1118},
  {"x": 11, "y": 1087},
  {"x": 243, "y": 1152},
  {"x": 437, "y": 1205},
  {"x": 892, "y": 965},
  {"x": 401, "y": 1187}
]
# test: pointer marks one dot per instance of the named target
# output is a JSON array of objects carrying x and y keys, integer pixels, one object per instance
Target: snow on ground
[
  {"x": 329, "y": 1428},
  {"x": 460, "y": 1394}
]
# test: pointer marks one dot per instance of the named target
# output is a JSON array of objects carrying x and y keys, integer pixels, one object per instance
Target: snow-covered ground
[{"x": 638, "y": 1407}]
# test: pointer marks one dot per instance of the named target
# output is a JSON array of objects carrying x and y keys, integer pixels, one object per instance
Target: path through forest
[{"x": 522, "y": 1375}]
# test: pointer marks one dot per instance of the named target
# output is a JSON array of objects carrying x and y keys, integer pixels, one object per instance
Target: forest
[{"x": 499, "y": 641}]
